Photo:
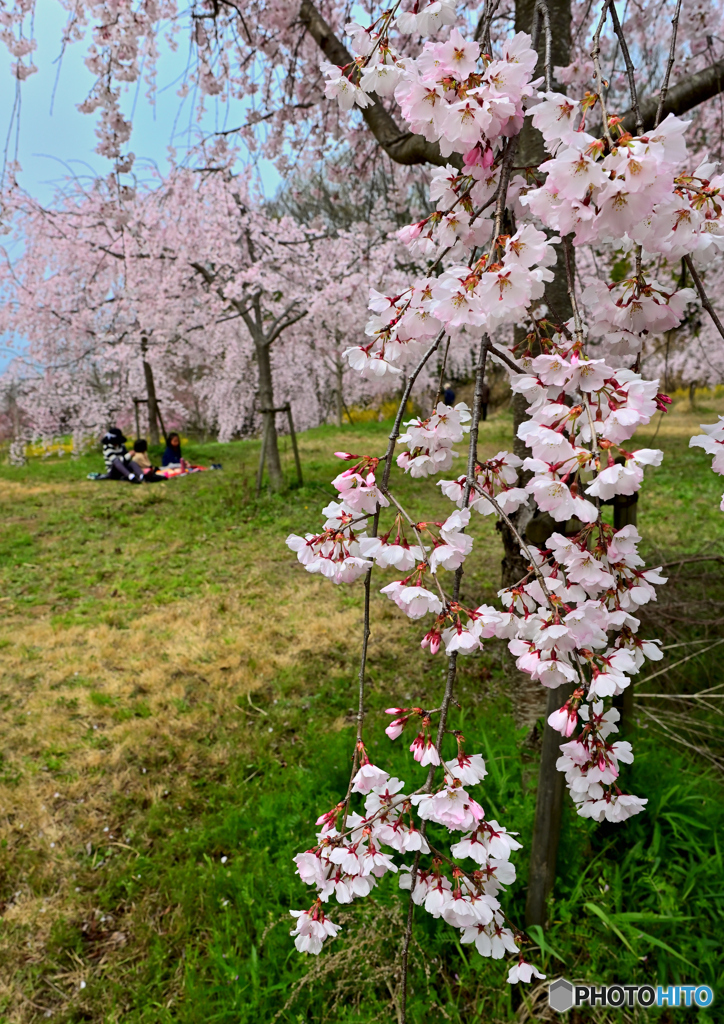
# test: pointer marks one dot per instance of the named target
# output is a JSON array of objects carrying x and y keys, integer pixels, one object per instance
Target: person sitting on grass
[
  {"x": 119, "y": 462},
  {"x": 140, "y": 453},
  {"x": 172, "y": 455},
  {"x": 140, "y": 457}
]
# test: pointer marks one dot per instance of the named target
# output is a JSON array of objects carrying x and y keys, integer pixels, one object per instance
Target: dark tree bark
[
  {"x": 266, "y": 401},
  {"x": 150, "y": 395},
  {"x": 547, "y": 821},
  {"x": 339, "y": 395}
]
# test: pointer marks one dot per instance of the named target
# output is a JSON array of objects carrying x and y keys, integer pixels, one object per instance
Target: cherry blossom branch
[
  {"x": 502, "y": 191},
  {"x": 473, "y": 881},
  {"x": 699, "y": 285},
  {"x": 570, "y": 282},
  {"x": 402, "y": 146},
  {"x": 669, "y": 65},
  {"x": 438, "y": 396},
  {"x": 386, "y": 19},
  {"x": 629, "y": 69},
  {"x": 485, "y": 347},
  {"x": 408, "y": 929},
  {"x": 505, "y": 359},
  {"x": 418, "y": 538},
  {"x": 596, "y": 58}
]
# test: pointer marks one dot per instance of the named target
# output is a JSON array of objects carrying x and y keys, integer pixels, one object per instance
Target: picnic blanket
[{"x": 169, "y": 472}]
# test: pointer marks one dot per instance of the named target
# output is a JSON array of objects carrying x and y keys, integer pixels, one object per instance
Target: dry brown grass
[{"x": 180, "y": 672}]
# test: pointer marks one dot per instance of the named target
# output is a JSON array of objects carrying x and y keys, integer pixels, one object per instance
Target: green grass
[{"x": 173, "y": 680}]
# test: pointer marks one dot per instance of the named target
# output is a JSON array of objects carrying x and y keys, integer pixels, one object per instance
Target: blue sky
[{"x": 53, "y": 141}]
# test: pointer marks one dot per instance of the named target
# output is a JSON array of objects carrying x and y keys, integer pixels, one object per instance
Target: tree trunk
[
  {"x": 340, "y": 395},
  {"x": 151, "y": 395},
  {"x": 547, "y": 822},
  {"x": 266, "y": 400},
  {"x": 549, "y": 797}
]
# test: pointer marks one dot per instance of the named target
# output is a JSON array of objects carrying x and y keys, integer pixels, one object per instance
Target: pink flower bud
[
  {"x": 417, "y": 747},
  {"x": 431, "y": 640},
  {"x": 410, "y": 232},
  {"x": 563, "y": 720},
  {"x": 394, "y": 729}
]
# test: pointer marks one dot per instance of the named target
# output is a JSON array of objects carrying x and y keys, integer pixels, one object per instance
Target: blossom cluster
[
  {"x": 477, "y": 298},
  {"x": 351, "y": 854},
  {"x": 637, "y": 194}
]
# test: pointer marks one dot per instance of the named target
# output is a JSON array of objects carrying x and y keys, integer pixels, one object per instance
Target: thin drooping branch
[
  {"x": 596, "y": 58},
  {"x": 571, "y": 286},
  {"x": 361, "y": 691},
  {"x": 504, "y": 358},
  {"x": 407, "y": 938},
  {"x": 366, "y": 630},
  {"x": 669, "y": 65},
  {"x": 438, "y": 396},
  {"x": 699, "y": 285},
  {"x": 395, "y": 433},
  {"x": 630, "y": 74},
  {"x": 452, "y": 661}
]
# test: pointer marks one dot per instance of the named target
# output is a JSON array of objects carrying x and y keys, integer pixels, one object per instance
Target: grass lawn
[{"x": 177, "y": 698}]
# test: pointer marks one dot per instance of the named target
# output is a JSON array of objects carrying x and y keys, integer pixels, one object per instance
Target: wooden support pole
[
  {"x": 294, "y": 444},
  {"x": 138, "y": 423},
  {"x": 160, "y": 420},
  {"x": 262, "y": 456}
]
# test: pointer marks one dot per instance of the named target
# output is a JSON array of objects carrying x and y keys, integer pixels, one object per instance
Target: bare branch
[
  {"x": 670, "y": 64},
  {"x": 629, "y": 69},
  {"x": 596, "y": 58},
  {"x": 699, "y": 285}
]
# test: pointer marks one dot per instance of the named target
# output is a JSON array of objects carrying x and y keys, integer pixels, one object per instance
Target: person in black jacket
[{"x": 119, "y": 462}]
